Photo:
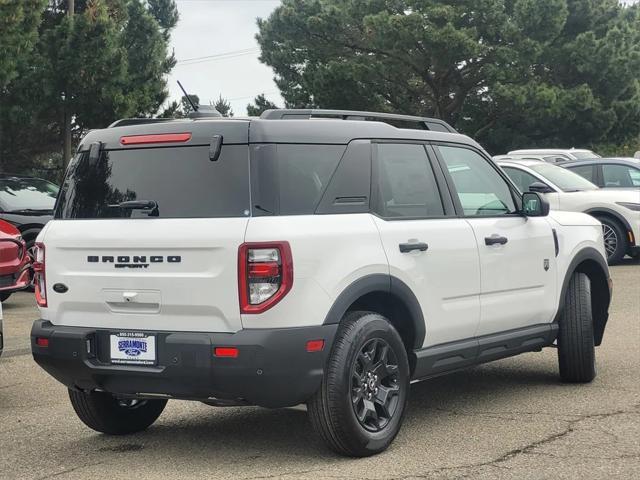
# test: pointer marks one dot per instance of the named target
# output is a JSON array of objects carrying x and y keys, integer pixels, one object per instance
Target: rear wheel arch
[
  {"x": 590, "y": 262},
  {"x": 388, "y": 296}
]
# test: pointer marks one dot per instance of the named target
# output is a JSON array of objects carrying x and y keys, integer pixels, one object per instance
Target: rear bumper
[
  {"x": 13, "y": 282},
  {"x": 273, "y": 368}
]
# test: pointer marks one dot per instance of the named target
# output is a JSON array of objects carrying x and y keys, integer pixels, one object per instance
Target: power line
[{"x": 219, "y": 56}]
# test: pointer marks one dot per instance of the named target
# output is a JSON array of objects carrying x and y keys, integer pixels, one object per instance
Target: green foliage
[
  {"x": 223, "y": 106},
  {"x": 108, "y": 61},
  {"x": 19, "y": 20},
  {"x": 512, "y": 73},
  {"x": 260, "y": 104}
]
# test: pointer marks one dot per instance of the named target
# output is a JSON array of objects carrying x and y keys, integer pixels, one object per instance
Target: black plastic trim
[
  {"x": 273, "y": 368},
  {"x": 380, "y": 283},
  {"x": 448, "y": 357}
]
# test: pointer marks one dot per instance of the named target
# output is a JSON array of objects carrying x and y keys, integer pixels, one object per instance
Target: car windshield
[
  {"x": 564, "y": 179},
  {"x": 585, "y": 155},
  {"x": 19, "y": 193}
]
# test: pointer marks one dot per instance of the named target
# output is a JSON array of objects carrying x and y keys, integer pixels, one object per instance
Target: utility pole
[{"x": 66, "y": 152}]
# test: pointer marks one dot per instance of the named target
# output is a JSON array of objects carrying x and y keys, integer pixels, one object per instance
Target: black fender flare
[
  {"x": 380, "y": 283},
  {"x": 611, "y": 213},
  {"x": 600, "y": 293}
]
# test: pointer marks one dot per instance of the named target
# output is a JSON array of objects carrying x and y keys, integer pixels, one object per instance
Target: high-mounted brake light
[
  {"x": 265, "y": 275},
  {"x": 39, "y": 279},
  {"x": 155, "y": 138}
]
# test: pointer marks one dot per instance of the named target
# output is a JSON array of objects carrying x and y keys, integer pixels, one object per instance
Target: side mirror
[
  {"x": 534, "y": 205},
  {"x": 540, "y": 187}
]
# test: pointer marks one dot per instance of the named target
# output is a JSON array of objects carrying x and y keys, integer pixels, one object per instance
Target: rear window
[{"x": 182, "y": 182}]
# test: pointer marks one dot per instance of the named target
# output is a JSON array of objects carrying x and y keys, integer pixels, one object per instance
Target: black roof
[{"x": 283, "y": 126}]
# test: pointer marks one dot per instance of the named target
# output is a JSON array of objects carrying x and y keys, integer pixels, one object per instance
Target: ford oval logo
[{"x": 132, "y": 352}]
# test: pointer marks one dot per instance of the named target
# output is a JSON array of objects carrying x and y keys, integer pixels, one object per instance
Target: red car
[{"x": 15, "y": 263}]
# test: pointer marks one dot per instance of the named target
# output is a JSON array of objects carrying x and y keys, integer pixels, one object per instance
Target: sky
[{"x": 223, "y": 32}]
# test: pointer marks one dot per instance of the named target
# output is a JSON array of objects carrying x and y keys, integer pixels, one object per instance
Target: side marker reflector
[
  {"x": 226, "y": 352},
  {"x": 42, "y": 342},
  {"x": 315, "y": 345}
]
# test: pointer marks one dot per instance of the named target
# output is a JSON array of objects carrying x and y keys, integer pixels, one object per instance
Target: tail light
[
  {"x": 265, "y": 275},
  {"x": 39, "y": 275}
]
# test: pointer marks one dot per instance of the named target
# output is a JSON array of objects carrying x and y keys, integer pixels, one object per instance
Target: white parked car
[
  {"x": 280, "y": 260},
  {"x": 555, "y": 155},
  {"x": 617, "y": 209}
]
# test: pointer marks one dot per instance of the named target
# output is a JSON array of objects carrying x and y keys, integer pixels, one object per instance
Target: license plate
[{"x": 133, "y": 348}]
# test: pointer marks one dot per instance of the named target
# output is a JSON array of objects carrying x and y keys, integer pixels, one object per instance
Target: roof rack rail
[
  {"x": 423, "y": 123},
  {"x": 138, "y": 121}
]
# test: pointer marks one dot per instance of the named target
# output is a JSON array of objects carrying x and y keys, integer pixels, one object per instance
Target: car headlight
[{"x": 631, "y": 206}]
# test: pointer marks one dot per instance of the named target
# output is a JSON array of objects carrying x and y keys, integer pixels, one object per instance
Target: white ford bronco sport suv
[{"x": 285, "y": 259}]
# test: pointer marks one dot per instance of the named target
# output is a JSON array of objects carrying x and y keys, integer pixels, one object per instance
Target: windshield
[
  {"x": 18, "y": 193},
  {"x": 564, "y": 179},
  {"x": 585, "y": 155}
]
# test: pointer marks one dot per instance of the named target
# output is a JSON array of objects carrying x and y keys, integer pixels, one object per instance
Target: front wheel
[
  {"x": 359, "y": 407},
  {"x": 107, "y": 414},
  {"x": 576, "y": 349}
]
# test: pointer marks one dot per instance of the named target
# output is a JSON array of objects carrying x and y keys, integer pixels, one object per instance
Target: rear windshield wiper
[
  {"x": 32, "y": 211},
  {"x": 136, "y": 205}
]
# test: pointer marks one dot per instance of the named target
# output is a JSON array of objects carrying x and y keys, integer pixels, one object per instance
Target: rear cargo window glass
[
  {"x": 291, "y": 179},
  {"x": 181, "y": 183}
]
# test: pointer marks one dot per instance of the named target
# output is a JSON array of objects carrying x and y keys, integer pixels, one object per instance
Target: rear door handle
[
  {"x": 495, "y": 239},
  {"x": 410, "y": 247}
]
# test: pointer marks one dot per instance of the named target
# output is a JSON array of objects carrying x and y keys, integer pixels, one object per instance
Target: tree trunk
[{"x": 66, "y": 151}]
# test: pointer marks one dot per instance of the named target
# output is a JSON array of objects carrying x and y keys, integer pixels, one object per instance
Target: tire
[
  {"x": 348, "y": 388},
  {"x": 615, "y": 240},
  {"x": 576, "y": 349},
  {"x": 4, "y": 296},
  {"x": 106, "y": 414}
]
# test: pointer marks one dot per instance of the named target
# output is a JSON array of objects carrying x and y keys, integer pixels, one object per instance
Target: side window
[
  {"x": 406, "y": 183},
  {"x": 522, "y": 179},
  {"x": 481, "y": 189},
  {"x": 586, "y": 171},
  {"x": 290, "y": 179},
  {"x": 619, "y": 176}
]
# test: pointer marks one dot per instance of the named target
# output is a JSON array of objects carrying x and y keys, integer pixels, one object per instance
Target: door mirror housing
[
  {"x": 534, "y": 205},
  {"x": 540, "y": 187}
]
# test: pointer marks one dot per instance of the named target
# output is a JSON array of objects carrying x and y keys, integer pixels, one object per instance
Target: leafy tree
[
  {"x": 180, "y": 109},
  {"x": 223, "y": 106},
  {"x": 108, "y": 61},
  {"x": 19, "y": 22},
  {"x": 260, "y": 104},
  {"x": 509, "y": 72}
]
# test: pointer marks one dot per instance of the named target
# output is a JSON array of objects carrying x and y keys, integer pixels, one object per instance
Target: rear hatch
[{"x": 147, "y": 228}]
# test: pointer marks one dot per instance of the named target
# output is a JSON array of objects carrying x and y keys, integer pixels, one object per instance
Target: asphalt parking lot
[{"x": 507, "y": 419}]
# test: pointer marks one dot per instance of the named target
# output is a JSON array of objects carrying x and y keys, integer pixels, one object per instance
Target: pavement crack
[{"x": 68, "y": 470}]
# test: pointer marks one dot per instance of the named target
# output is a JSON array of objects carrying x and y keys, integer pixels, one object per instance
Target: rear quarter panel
[{"x": 329, "y": 253}]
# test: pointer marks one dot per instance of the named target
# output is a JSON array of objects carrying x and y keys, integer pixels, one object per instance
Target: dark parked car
[
  {"x": 27, "y": 202},
  {"x": 15, "y": 263},
  {"x": 608, "y": 172}
]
